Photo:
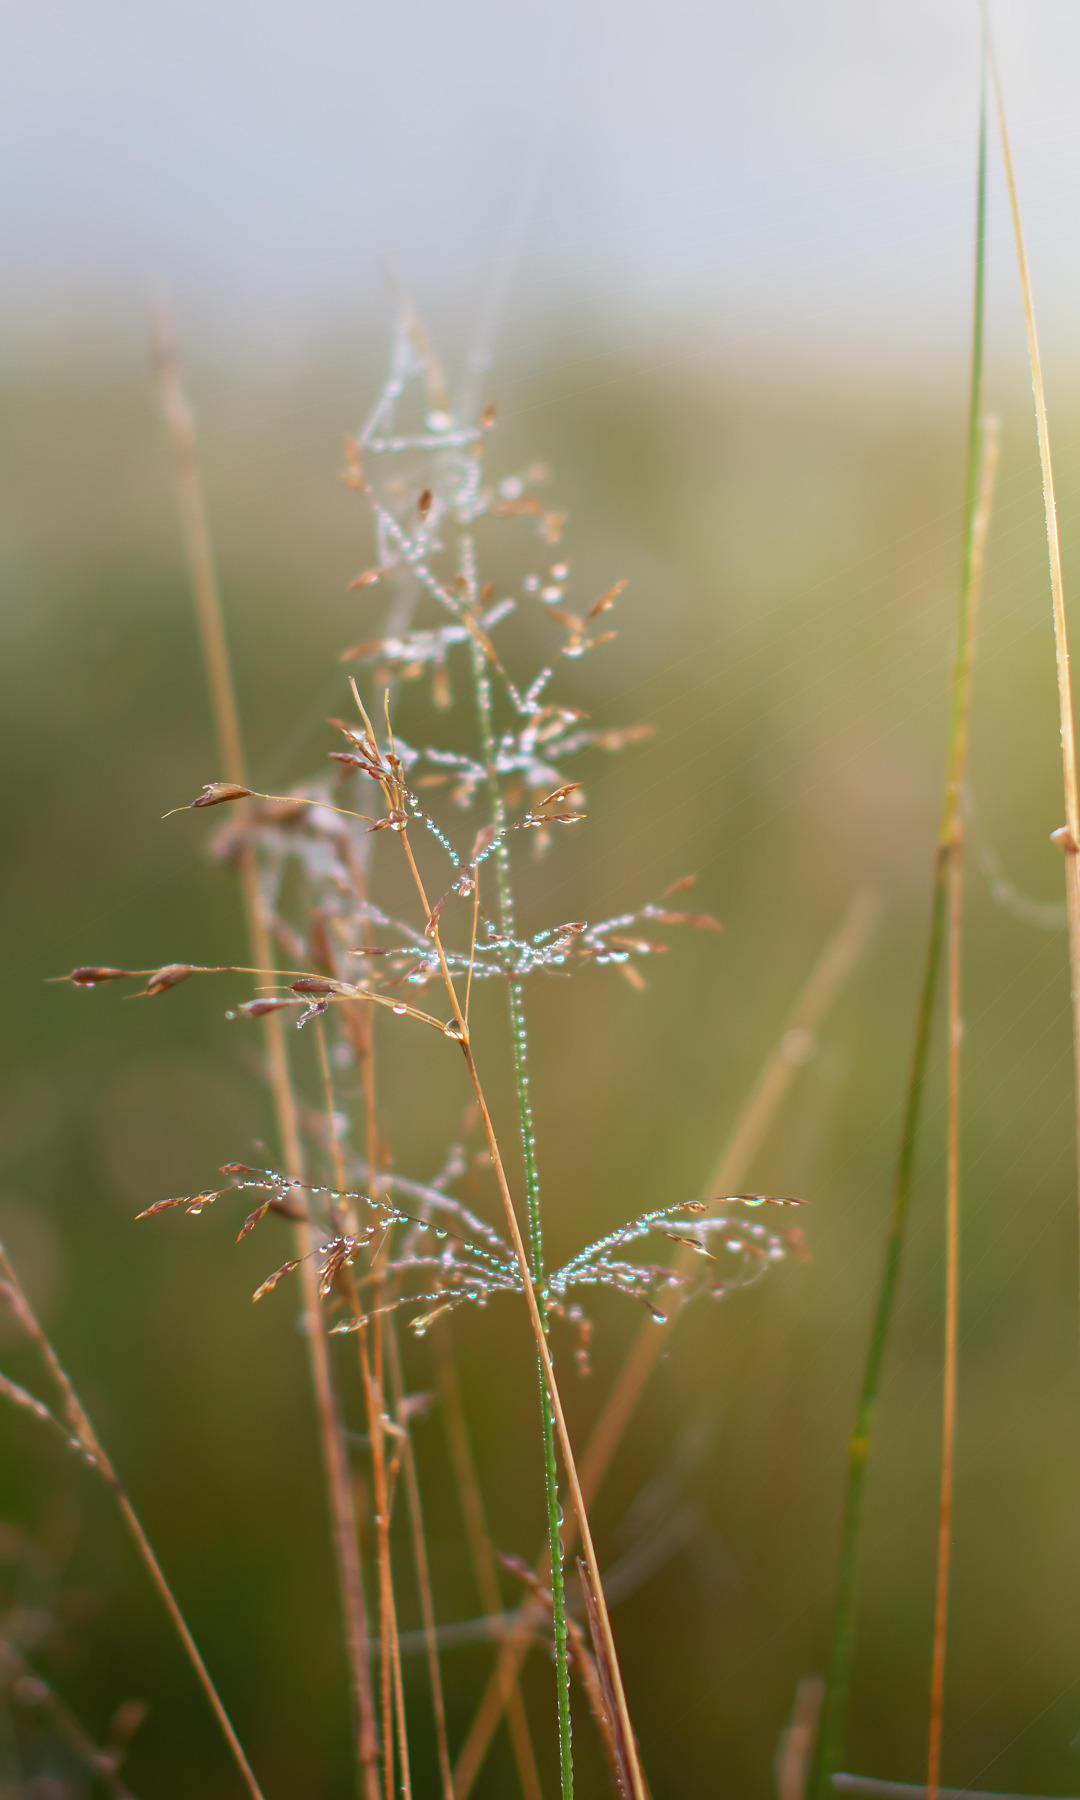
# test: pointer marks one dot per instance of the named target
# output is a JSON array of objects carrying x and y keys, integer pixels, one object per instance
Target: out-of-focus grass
[{"x": 792, "y": 549}]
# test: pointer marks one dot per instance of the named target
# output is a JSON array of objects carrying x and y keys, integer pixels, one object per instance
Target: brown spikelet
[
  {"x": 170, "y": 976},
  {"x": 267, "y": 1286},
  {"x": 90, "y": 975},
  {"x": 216, "y": 793}
]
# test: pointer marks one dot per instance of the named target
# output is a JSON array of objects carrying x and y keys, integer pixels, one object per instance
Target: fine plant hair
[{"x": 323, "y": 868}]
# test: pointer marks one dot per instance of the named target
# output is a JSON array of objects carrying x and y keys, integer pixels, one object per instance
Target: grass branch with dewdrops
[{"x": 379, "y": 1244}]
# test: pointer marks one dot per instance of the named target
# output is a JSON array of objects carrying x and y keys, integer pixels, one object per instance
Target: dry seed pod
[
  {"x": 171, "y": 976},
  {"x": 90, "y": 975},
  {"x": 216, "y": 793}
]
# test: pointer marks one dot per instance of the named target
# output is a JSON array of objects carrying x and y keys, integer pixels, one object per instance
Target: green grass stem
[{"x": 519, "y": 1033}]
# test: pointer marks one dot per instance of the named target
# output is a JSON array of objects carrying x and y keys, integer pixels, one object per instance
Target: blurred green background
[{"x": 791, "y": 539}]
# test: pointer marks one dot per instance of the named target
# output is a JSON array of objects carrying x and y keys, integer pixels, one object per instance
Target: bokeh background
[{"x": 729, "y": 253}]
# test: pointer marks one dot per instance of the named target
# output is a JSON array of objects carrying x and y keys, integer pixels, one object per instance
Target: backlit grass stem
[{"x": 1069, "y": 838}]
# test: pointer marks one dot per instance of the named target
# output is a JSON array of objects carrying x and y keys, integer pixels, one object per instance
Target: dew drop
[
  {"x": 439, "y": 1232},
  {"x": 400, "y": 1011},
  {"x": 194, "y": 1211},
  {"x": 453, "y": 1030},
  {"x": 230, "y": 1014}
]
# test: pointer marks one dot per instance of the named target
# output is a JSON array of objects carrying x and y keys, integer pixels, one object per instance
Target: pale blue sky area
[{"x": 797, "y": 166}]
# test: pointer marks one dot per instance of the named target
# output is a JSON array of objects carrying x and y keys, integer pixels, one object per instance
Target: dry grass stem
[
  {"x": 797, "y": 1749},
  {"x": 207, "y": 599},
  {"x": 1069, "y": 839},
  {"x": 91, "y": 1446}
]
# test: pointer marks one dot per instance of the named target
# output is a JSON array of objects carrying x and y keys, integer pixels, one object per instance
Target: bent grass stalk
[
  {"x": 827, "y": 978},
  {"x": 198, "y": 550},
  {"x": 830, "y": 1744},
  {"x": 1069, "y": 839},
  {"x": 87, "y": 1439}
]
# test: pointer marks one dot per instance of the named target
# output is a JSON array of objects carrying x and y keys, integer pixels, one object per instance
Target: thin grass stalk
[
  {"x": 83, "y": 1430},
  {"x": 838, "y": 1677},
  {"x": 520, "y": 1042},
  {"x": 480, "y": 1548},
  {"x": 423, "y": 1567},
  {"x": 460, "y": 1030},
  {"x": 952, "y": 1174},
  {"x": 952, "y": 1297},
  {"x": 390, "y": 1681},
  {"x": 195, "y": 532},
  {"x": 393, "y": 1690},
  {"x": 1069, "y": 839},
  {"x": 827, "y": 978}
]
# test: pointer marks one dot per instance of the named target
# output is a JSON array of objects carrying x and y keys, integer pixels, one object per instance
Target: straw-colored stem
[
  {"x": 83, "y": 1430},
  {"x": 420, "y": 1558},
  {"x": 779, "y": 1070},
  {"x": 830, "y": 1745},
  {"x": 479, "y": 1537},
  {"x": 1070, "y": 838},
  {"x": 393, "y": 1691},
  {"x": 204, "y": 587}
]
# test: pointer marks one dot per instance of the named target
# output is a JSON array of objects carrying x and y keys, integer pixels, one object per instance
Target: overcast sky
[{"x": 800, "y": 165}]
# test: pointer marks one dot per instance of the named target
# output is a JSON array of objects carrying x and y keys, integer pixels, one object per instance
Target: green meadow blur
[{"x": 791, "y": 541}]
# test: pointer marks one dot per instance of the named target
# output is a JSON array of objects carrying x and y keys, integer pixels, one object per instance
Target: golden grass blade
[
  {"x": 797, "y": 1748},
  {"x": 423, "y": 1567},
  {"x": 830, "y": 972},
  {"x": 1070, "y": 839},
  {"x": 204, "y": 586},
  {"x": 82, "y": 1429}
]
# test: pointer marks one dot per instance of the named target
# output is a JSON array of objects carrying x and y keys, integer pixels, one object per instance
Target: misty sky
[{"x": 803, "y": 166}]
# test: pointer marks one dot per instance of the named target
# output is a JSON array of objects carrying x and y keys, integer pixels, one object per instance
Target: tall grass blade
[
  {"x": 1069, "y": 839},
  {"x": 838, "y": 1678},
  {"x": 952, "y": 1195},
  {"x": 195, "y": 532},
  {"x": 82, "y": 1429}
]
